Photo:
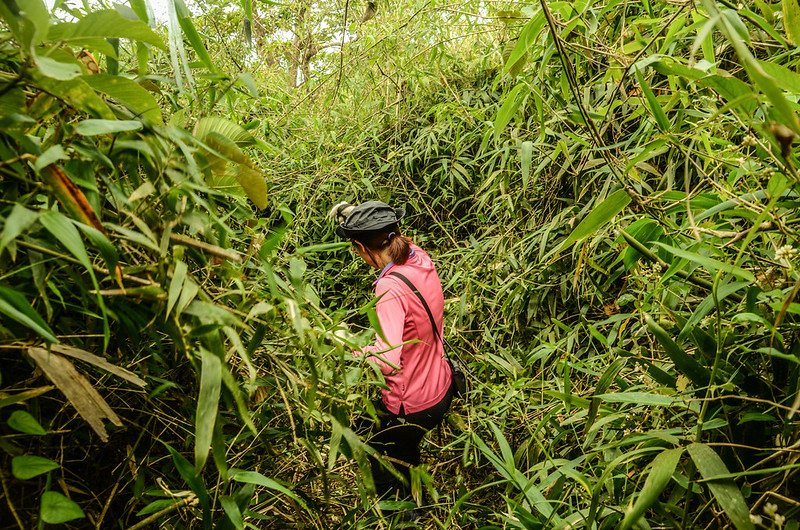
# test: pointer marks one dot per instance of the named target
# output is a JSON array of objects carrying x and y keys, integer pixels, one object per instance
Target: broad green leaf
[
  {"x": 791, "y": 20},
  {"x": 29, "y": 21},
  {"x": 57, "y": 69},
  {"x": 661, "y": 470},
  {"x": 725, "y": 491},
  {"x": 698, "y": 373},
  {"x": 785, "y": 78},
  {"x": 95, "y": 127},
  {"x": 254, "y": 185},
  {"x": 225, "y": 128},
  {"x": 598, "y": 217},
  {"x": 57, "y": 509},
  {"x": 652, "y": 102},
  {"x": 22, "y": 421},
  {"x": 76, "y": 93},
  {"x": 15, "y": 306},
  {"x": 28, "y": 466},
  {"x": 16, "y": 223},
  {"x": 207, "y": 405},
  {"x": 106, "y": 23},
  {"x": 709, "y": 263},
  {"x": 253, "y": 477},
  {"x": 129, "y": 93}
]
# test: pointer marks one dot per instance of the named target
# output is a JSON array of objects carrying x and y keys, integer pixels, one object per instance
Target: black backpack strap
[{"x": 421, "y": 299}]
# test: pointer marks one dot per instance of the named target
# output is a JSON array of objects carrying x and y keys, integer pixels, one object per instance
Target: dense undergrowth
[{"x": 609, "y": 191}]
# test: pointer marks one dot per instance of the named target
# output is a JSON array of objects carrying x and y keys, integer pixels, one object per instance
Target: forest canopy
[{"x": 608, "y": 189}]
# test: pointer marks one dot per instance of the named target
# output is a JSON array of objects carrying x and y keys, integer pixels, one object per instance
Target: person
[{"x": 409, "y": 351}]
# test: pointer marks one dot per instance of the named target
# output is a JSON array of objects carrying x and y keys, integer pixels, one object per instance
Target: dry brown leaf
[
  {"x": 90, "y": 405},
  {"x": 91, "y": 358}
]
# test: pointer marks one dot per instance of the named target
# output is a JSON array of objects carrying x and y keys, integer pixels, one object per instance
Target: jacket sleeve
[{"x": 391, "y": 309}]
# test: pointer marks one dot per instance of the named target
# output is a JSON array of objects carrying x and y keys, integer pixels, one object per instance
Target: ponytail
[
  {"x": 390, "y": 238},
  {"x": 399, "y": 248}
]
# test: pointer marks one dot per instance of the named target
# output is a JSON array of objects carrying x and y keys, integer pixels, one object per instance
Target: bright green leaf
[
  {"x": 28, "y": 466},
  {"x": 57, "y": 509},
  {"x": 22, "y": 421}
]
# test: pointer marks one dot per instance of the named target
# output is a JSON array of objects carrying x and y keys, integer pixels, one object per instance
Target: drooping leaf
[
  {"x": 709, "y": 263},
  {"x": 652, "y": 102}
]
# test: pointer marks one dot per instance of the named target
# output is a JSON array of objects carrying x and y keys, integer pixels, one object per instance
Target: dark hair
[{"x": 399, "y": 246}]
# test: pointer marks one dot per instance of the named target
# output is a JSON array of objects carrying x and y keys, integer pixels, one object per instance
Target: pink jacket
[{"x": 423, "y": 377}]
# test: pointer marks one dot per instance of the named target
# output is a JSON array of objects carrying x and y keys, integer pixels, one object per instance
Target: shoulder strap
[{"x": 421, "y": 299}]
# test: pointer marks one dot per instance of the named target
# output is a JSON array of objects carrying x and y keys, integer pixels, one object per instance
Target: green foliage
[{"x": 609, "y": 192}]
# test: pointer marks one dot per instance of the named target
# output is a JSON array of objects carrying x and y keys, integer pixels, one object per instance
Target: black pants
[{"x": 398, "y": 437}]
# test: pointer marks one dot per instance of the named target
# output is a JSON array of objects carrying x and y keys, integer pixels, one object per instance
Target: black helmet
[{"x": 370, "y": 216}]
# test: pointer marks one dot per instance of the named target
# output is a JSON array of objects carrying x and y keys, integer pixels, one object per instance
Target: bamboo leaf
[
  {"x": 598, "y": 217},
  {"x": 185, "y": 21},
  {"x": 661, "y": 469},
  {"x": 510, "y": 106},
  {"x": 16, "y": 223},
  {"x": 652, "y": 102},
  {"x": 791, "y": 20},
  {"x": 175, "y": 286},
  {"x": 253, "y": 477},
  {"x": 725, "y": 491},
  {"x": 14, "y": 305},
  {"x": 699, "y": 374},
  {"x": 709, "y": 263},
  {"x": 207, "y": 405}
]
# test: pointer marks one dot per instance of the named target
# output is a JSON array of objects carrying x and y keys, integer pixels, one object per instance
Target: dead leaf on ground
[{"x": 90, "y": 405}]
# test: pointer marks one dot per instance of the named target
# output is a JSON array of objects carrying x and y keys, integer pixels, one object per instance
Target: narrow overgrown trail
[{"x": 609, "y": 191}]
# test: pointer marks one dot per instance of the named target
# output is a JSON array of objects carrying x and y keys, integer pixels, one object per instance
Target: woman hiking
[{"x": 410, "y": 354}]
